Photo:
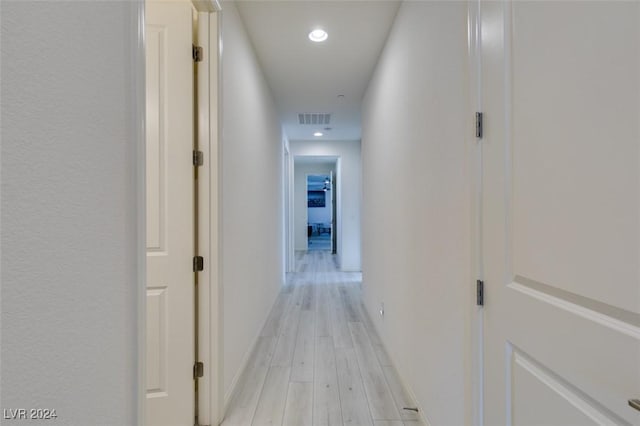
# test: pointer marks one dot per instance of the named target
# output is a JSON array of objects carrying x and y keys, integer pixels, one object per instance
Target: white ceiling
[{"x": 307, "y": 77}]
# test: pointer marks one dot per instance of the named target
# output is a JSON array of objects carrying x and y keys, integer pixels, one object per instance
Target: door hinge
[
  {"x": 197, "y": 53},
  {"x": 198, "y": 263},
  {"x": 480, "y": 293},
  {"x": 198, "y": 158},
  {"x": 198, "y": 370},
  {"x": 479, "y": 125}
]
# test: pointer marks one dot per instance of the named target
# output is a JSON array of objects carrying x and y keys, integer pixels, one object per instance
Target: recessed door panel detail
[
  {"x": 156, "y": 139},
  {"x": 541, "y": 397},
  {"x": 157, "y": 322}
]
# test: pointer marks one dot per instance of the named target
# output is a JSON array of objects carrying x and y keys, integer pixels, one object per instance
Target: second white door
[{"x": 561, "y": 222}]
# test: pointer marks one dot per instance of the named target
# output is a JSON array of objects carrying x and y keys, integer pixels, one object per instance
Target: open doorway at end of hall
[
  {"x": 320, "y": 212},
  {"x": 305, "y": 225}
]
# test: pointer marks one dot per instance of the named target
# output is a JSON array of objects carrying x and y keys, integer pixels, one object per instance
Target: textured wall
[
  {"x": 252, "y": 196},
  {"x": 68, "y": 211},
  {"x": 416, "y": 203}
]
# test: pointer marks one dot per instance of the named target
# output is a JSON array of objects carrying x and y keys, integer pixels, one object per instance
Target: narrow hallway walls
[
  {"x": 416, "y": 204},
  {"x": 252, "y": 196}
]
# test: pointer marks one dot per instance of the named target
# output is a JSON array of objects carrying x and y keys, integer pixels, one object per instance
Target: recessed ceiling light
[
  {"x": 317, "y": 134},
  {"x": 318, "y": 35}
]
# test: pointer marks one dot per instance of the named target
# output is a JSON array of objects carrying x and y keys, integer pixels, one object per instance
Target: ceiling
[{"x": 308, "y": 77}]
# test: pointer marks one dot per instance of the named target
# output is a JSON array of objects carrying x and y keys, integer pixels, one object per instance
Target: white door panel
[
  {"x": 561, "y": 211},
  {"x": 562, "y": 404},
  {"x": 575, "y": 147},
  {"x": 169, "y": 139}
]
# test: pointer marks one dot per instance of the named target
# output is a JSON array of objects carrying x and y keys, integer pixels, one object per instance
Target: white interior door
[
  {"x": 561, "y": 212},
  {"x": 170, "y": 241}
]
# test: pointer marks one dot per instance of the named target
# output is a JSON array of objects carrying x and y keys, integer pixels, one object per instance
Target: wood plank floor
[{"x": 318, "y": 361}]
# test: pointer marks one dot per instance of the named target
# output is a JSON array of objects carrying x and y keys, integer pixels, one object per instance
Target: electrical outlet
[{"x": 382, "y": 309}]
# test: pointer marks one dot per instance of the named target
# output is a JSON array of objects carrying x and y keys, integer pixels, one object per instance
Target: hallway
[
  {"x": 318, "y": 360},
  {"x": 484, "y": 161}
]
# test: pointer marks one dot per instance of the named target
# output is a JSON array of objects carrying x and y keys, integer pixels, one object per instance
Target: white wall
[
  {"x": 348, "y": 176},
  {"x": 301, "y": 170},
  {"x": 252, "y": 196},
  {"x": 416, "y": 205},
  {"x": 69, "y": 234}
]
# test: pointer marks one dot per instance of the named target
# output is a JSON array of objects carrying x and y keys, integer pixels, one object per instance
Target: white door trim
[
  {"x": 292, "y": 198},
  {"x": 476, "y": 360},
  {"x": 210, "y": 390},
  {"x": 286, "y": 173},
  {"x": 290, "y": 218},
  {"x": 139, "y": 100}
]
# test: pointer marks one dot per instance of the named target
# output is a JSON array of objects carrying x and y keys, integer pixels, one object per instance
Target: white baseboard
[
  {"x": 421, "y": 412},
  {"x": 403, "y": 382},
  {"x": 245, "y": 359}
]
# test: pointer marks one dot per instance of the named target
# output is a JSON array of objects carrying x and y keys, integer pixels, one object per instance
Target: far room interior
[
  {"x": 316, "y": 212},
  {"x": 319, "y": 212}
]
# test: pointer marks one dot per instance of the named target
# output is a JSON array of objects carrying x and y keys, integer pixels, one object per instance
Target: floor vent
[{"x": 314, "y": 118}]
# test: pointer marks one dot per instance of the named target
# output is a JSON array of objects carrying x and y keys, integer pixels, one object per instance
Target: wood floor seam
[{"x": 319, "y": 360}]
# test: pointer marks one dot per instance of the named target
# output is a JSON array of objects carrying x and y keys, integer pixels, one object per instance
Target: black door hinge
[
  {"x": 197, "y": 53},
  {"x": 198, "y": 370},
  {"x": 480, "y": 293},
  {"x": 198, "y": 263},
  {"x": 479, "y": 125},
  {"x": 198, "y": 158}
]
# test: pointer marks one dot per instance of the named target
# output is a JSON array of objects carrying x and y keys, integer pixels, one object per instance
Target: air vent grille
[{"x": 314, "y": 118}]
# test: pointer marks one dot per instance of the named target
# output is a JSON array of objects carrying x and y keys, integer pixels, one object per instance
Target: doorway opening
[
  {"x": 320, "y": 212},
  {"x": 314, "y": 228}
]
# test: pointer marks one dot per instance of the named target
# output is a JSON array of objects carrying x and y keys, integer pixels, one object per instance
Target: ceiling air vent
[{"x": 314, "y": 118}]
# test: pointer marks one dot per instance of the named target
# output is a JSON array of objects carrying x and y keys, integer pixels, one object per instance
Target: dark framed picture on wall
[{"x": 316, "y": 199}]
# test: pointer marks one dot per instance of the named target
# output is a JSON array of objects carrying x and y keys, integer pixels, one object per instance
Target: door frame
[
  {"x": 138, "y": 63},
  {"x": 290, "y": 190},
  {"x": 209, "y": 133},
  {"x": 475, "y": 356},
  {"x": 334, "y": 213},
  {"x": 289, "y": 243},
  {"x": 306, "y": 211},
  {"x": 208, "y": 112}
]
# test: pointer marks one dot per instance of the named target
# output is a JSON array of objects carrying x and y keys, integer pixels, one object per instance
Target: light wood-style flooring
[{"x": 318, "y": 360}]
